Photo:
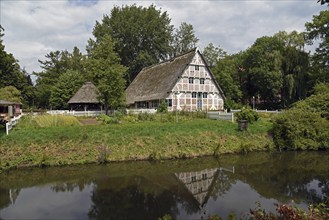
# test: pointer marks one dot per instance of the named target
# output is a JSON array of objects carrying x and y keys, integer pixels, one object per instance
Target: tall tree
[
  {"x": 12, "y": 75},
  {"x": 142, "y": 35},
  {"x": 318, "y": 31},
  {"x": 56, "y": 64},
  {"x": 104, "y": 69},
  {"x": 184, "y": 38},
  {"x": 66, "y": 86},
  {"x": 295, "y": 67},
  {"x": 213, "y": 54},
  {"x": 227, "y": 75},
  {"x": 262, "y": 75}
]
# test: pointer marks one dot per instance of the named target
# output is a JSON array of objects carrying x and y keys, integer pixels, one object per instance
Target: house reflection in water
[{"x": 200, "y": 183}]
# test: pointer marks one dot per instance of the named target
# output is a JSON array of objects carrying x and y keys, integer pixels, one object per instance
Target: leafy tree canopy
[
  {"x": 184, "y": 38},
  {"x": 318, "y": 31},
  {"x": 67, "y": 85},
  {"x": 56, "y": 64},
  {"x": 226, "y": 73},
  {"x": 10, "y": 93},
  {"x": 213, "y": 54},
  {"x": 142, "y": 35},
  {"x": 104, "y": 69},
  {"x": 12, "y": 76}
]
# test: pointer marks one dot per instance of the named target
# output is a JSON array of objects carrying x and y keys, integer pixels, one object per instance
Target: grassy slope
[{"x": 35, "y": 146}]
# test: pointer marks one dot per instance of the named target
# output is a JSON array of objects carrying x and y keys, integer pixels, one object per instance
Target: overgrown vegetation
[
  {"x": 306, "y": 124},
  {"x": 247, "y": 114},
  {"x": 52, "y": 120}
]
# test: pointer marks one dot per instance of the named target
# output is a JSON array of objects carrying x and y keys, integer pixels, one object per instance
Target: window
[
  {"x": 199, "y": 94},
  {"x": 201, "y": 80},
  {"x": 190, "y": 80},
  {"x": 193, "y": 94},
  {"x": 204, "y": 176},
  {"x": 142, "y": 105},
  {"x": 193, "y": 178},
  {"x": 155, "y": 103},
  {"x": 196, "y": 67},
  {"x": 205, "y": 95},
  {"x": 169, "y": 102}
]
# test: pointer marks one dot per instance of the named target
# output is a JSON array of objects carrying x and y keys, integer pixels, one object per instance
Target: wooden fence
[
  {"x": 259, "y": 111},
  {"x": 12, "y": 123},
  {"x": 138, "y": 111},
  {"x": 76, "y": 113},
  {"x": 221, "y": 116}
]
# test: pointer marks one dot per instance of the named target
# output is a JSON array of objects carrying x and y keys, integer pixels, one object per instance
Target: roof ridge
[{"x": 171, "y": 59}]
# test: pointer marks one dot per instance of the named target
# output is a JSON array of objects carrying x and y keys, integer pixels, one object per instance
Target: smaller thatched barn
[{"x": 86, "y": 99}]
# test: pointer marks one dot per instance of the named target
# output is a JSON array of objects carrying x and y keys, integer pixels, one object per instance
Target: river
[{"x": 184, "y": 189}]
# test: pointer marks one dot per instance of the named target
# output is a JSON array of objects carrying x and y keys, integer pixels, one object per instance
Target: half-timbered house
[{"x": 185, "y": 82}]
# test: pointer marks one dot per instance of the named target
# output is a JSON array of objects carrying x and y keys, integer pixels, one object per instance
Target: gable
[{"x": 199, "y": 71}]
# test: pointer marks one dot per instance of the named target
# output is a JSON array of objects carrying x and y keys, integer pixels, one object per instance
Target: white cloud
[{"x": 34, "y": 28}]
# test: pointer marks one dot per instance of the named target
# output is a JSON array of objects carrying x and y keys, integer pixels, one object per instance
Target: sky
[{"x": 34, "y": 28}]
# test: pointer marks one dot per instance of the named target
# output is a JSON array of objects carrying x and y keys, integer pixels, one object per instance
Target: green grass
[{"x": 31, "y": 145}]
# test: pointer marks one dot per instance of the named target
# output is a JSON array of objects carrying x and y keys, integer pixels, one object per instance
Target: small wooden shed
[
  {"x": 86, "y": 99},
  {"x": 9, "y": 109}
]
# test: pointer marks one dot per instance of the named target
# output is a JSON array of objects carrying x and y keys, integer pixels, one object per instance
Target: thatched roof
[
  {"x": 6, "y": 103},
  {"x": 88, "y": 93},
  {"x": 155, "y": 82}
]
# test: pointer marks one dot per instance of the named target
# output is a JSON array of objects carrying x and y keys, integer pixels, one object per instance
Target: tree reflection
[{"x": 136, "y": 198}]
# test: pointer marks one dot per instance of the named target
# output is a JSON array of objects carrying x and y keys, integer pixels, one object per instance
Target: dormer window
[
  {"x": 190, "y": 80},
  {"x": 196, "y": 67}
]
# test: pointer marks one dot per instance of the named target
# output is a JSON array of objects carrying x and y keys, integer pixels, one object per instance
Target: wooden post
[{"x": 7, "y": 128}]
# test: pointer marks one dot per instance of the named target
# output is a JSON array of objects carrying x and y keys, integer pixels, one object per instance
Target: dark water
[{"x": 185, "y": 189}]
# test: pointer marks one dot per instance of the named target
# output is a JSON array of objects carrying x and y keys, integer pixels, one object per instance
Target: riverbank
[{"x": 28, "y": 146}]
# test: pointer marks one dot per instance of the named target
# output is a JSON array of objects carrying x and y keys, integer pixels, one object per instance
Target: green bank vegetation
[
  {"x": 35, "y": 142},
  {"x": 305, "y": 126}
]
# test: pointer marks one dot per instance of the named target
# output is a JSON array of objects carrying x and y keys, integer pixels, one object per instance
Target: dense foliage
[
  {"x": 66, "y": 86},
  {"x": 104, "y": 69},
  {"x": 184, "y": 39},
  {"x": 306, "y": 124},
  {"x": 143, "y": 35},
  {"x": 10, "y": 93},
  {"x": 11, "y": 76},
  {"x": 247, "y": 114}
]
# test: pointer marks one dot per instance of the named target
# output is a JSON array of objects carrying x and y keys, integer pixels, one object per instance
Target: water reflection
[{"x": 185, "y": 189}]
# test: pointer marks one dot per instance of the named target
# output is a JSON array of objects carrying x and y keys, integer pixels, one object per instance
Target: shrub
[
  {"x": 108, "y": 119},
  {"x": 306, "y": 124},
  {"x": 145, "y": 117},
  {"x": 247, "y": 114},
  {"x": 162, "y": 108},
  {"x": 297, "y": 129}
]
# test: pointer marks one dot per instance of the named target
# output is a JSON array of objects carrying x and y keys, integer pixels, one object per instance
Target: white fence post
[{"x": 7, "y": 128}]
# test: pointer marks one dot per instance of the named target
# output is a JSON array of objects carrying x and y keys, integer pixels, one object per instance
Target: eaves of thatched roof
[
  {"x": 6, "y": 103},
  {"x": 157, "y": 81},
  {"x": 88, "y": 93}
]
